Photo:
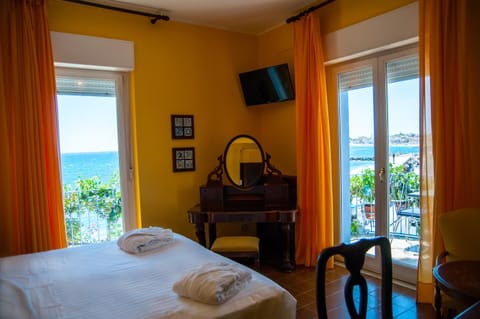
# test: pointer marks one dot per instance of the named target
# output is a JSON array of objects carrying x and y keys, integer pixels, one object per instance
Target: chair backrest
[
  {"x": 354, "y": 257},
  {"x": 460, "y": 230}
]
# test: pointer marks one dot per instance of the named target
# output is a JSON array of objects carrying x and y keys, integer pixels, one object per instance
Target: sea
[
  {"x": 105, "y": 164},
  {"x": 361, "y": 156},
  {"x": 77, "y": 166}
]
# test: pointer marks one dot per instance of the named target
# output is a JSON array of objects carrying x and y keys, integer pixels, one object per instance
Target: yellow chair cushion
[{"x": 235, "y": 244}]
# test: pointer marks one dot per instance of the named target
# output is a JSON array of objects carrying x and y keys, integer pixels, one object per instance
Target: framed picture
[
  {"x": 182, "y": 126},
  {"x": 183, "y": 159}
]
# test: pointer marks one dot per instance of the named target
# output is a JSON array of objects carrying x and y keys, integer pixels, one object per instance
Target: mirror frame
[{"x": 225, "y": 160}]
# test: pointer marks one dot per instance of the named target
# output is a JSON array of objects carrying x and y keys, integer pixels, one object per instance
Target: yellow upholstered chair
[
  {"x": 460, "y": 230},
  {"x": 238, "y": 247}
]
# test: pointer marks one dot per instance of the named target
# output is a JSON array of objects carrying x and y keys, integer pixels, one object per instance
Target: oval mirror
[{"x": 244, "y": 161}]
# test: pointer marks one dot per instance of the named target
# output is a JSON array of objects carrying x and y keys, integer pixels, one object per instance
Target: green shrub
[
  {"x": 91, "y": 196},
  {"x": 402, "y": 182}
]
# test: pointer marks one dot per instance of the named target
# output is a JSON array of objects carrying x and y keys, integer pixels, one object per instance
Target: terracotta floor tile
[{"x": 301, "y": 284}]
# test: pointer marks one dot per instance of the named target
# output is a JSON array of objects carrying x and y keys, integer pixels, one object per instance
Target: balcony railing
[
  {"x": 403, "y": 209},
  {"x": 93, "y": 212}
]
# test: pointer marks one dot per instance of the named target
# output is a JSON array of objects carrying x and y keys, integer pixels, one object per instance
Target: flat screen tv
[{"x": 267, "y": 85}]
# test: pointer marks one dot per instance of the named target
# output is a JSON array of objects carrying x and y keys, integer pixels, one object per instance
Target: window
[
  {"x": 378, "y": 104},
  {"x": 96, "y": 163}
]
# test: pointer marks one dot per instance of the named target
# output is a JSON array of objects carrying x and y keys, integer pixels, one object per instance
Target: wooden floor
[{"x": 301, "y": 284}]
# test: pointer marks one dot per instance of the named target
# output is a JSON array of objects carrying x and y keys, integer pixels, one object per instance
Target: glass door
[
  {"x": 379, "y": 136},
  {"x": 403, "y": 110},
  {"x": 95, "y": 157},
  {"x": 356, "y": 102}
]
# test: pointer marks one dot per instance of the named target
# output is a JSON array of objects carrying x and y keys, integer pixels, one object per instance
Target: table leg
[
  {"x": 212, "y": 234},
  {"x": 438, "y": 302},
  {"x": 286, "y": 265},
  {"x": 200, "y": 232}
]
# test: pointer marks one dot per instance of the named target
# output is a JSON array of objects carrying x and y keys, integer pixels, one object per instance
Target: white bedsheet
[{"x": 102, "y": 281}]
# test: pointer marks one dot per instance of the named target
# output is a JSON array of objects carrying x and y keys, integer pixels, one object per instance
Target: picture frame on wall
[
  {"x": 182, "y": 126},
  {"x": 183, "y": 159}
]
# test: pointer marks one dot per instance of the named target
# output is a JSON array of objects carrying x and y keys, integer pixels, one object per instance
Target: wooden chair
[
  {"x": 235, "y": 247},
  {"x": 354, "y": 257}
]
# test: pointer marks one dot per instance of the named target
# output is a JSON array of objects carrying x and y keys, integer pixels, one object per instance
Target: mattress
[{"x": 102, "y": 281}]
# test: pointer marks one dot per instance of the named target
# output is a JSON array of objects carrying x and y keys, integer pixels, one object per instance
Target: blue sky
[
  {"x": 87, "y": 124},
  {"x": 403, "y": 104}
]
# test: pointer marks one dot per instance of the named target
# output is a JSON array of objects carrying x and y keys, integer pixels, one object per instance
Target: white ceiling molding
[
  {"x": 393, "y": 29},
  {"x": 87, "y": 52}
]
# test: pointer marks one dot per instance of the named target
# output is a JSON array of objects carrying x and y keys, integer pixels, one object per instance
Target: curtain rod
[
  {"x": 311, "y": 9},
  {"x": 155, "y": 17}
]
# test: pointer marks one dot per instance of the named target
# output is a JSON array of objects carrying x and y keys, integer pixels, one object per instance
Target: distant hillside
[{"x": 396, "y": 139}]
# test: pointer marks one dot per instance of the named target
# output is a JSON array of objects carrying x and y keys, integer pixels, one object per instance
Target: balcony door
[
  {"x": 378, "y": 100},
  {"x": 94, "y": 134}
]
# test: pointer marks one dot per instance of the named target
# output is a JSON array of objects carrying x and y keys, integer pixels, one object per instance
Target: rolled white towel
[
  {"x": 145, "y": 239},
  {"x": 213, "y": 283}
]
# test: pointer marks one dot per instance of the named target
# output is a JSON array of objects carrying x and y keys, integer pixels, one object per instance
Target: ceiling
[{"x": 246, "y": 16}]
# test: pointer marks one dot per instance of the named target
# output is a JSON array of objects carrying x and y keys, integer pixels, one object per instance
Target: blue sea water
[
  {"x": 362, "y": 155},
  {"x": 366, "y": 151},
  {"x": 105, "y": 164},
  {"x": 86, "y": 165}
]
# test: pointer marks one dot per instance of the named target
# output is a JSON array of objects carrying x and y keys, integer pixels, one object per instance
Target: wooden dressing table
[{"x": 257, "y": 193}]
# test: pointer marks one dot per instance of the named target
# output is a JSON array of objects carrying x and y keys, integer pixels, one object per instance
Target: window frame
[{"x": 124, "y": 132}]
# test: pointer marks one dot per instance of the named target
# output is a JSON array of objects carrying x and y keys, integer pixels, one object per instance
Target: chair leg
[
  {"x": 451, "y": 313},
  {"x": 438, "y": 302},
  {"x": 257, "y": 263}
]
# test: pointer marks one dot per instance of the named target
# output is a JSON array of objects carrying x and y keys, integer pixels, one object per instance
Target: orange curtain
[
  {"x": 30, "y": 187},
  {"x": 315, "y": 226},
  {"x": 450, "y": 117}
]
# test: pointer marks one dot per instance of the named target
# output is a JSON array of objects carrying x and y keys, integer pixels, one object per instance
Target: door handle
[{"x": 381, "y": 174}]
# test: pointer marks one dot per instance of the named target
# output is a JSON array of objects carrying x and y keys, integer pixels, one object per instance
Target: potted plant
[
  {"x": 368, "y": 192},
  {"x": 362, "y": 191},
  {"x": 402, "y": 182},
  {"x": 355, "y": 227}
]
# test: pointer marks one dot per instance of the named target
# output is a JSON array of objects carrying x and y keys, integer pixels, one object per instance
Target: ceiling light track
[
  {"x": 153, "y": 20},
  {"x": 311, "y": 9}
]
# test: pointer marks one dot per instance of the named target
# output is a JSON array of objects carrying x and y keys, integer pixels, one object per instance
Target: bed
[{"x": 102, "y": 281}]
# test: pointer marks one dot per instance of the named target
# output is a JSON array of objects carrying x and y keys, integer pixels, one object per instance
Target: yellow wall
[
  {"x": 179, "y": 69},
  {"x": 186, "y": 69},
  {"x": 342, "y": 13},
  {"x": 277, "y": 128}
]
